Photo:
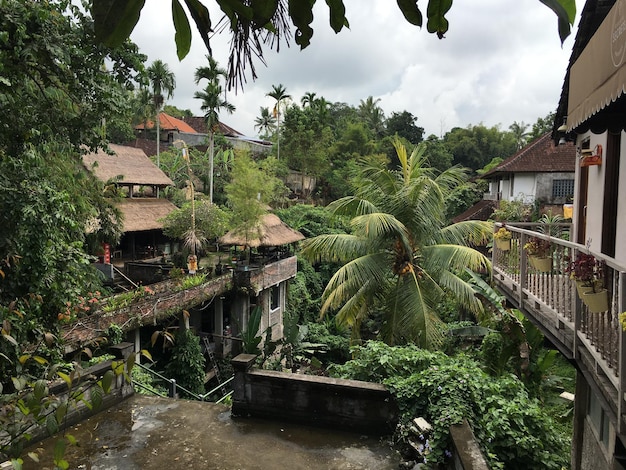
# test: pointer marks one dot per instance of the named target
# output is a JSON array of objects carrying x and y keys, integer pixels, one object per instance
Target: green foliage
[
  {"x": 513, "y": 211},
  {"x": 250, "y": 336},
  {"x": 337, "y": 342},
  {"x": 476, "y": 145},
  {"x": 125, "y": 299},
  {"x": 153, "y": 383},
  {"x": 509, "y": 425},
  {"x": 211, "y": 221},
  {"x": 249, "y": 193},
  {"x": 186, "y": 363},
  {"x": 114, "y": 334},
  {"x": 305, "y": 292},
  {"x": 400, "y": 257},
  {"x": 29, "y": 405}
]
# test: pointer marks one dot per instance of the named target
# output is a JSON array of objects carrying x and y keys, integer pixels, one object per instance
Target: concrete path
[{"x": 146, "y": 433}]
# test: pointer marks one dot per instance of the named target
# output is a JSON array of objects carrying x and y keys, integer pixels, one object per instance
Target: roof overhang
[{"x": 598, "y": 77}]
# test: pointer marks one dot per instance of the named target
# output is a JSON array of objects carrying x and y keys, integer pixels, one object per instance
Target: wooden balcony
[{"x": 595, "y": 341}]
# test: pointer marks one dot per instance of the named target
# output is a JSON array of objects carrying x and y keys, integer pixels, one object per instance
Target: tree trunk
[{"x": 211, "y": 152}]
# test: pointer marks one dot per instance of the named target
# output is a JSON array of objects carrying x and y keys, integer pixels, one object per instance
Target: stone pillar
[{"x": 241, "y": 389}]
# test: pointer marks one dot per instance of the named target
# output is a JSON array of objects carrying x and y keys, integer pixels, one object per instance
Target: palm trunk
[
  {"x": 158, "y": 137},
  {"x": 211, "y": 151}
]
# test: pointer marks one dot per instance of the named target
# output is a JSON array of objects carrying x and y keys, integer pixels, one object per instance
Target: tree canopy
[
  {"x": 401, "y": 256},
  {"x": 266, "y": 23}
]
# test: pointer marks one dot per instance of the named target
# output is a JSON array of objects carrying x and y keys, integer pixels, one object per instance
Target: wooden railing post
[
  {"x": 523, "y": 268},
  {"x": 622, "y": 350}
]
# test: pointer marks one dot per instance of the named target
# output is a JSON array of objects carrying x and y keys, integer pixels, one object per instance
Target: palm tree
[
  {"x": 372, "y": 114},
  {"x": 520, "y": 132},
  {"x": 265, "y": 122},
  {"x": 308, "y": 99},
  {"x": 162, "y": 80},
  {"x": 279, "y": 93},
  {"x": 143, "y": 106},
  {"x": 400, "y": 257},
  {"x": 212, "y": 104},
  {"x": 212, "y": 73}
]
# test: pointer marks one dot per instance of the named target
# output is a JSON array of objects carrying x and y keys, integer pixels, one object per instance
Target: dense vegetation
[{"x": 54, "y": 215}]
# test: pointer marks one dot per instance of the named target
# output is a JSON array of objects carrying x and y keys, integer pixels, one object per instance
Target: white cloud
[{"x": 500, "y": 62}]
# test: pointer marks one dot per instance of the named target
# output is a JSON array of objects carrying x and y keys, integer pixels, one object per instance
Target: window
[
  {"x": 275, "y": 298},
  {"x": 598, "y": 419},
  {"x": 562, "y": 188}
]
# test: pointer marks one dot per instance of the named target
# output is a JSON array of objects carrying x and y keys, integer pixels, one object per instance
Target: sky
[{"x": 500, "y": 62}]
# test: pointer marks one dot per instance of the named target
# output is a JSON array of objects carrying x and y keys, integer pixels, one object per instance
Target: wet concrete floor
[{"x": 147, "y": 433}]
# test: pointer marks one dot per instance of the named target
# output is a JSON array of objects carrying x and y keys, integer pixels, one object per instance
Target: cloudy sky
[{"x": 501, "y": 61}]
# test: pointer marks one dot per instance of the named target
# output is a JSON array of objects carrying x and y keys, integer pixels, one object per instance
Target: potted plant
[
  {"x": 503, "y": 239},
  {"x": 538, "y": 251},
  {"x": 588, "y": 274}
]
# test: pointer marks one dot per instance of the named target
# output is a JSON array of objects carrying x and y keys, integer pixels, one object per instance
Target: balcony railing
[{"x": 548, "y": 295}]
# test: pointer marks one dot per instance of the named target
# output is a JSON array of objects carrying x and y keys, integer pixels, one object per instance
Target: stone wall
[{"x": 322, "y": 401}]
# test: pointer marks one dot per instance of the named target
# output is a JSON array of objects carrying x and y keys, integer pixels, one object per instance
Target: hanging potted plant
[
  {"x": 503, "y": 239},
  {"x": 588, "y": 274},
  {"x": 538, "y": 251}
]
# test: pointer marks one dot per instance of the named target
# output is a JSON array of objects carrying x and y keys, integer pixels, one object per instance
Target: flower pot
[
  {"x": 581, "y": 289},
  {"x": 503, "y": 245},
  {"x": 543, "y": 265},
  {"x": 596, "y": 301}
]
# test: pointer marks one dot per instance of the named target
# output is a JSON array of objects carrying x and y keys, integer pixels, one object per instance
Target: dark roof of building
[
  {"x": 130, "y": 164},
  {"x": 482, "y": 210},
  {"x": 540, "y": 156},
  {"x": 198, "y": 123},
  {"x": 592, "y": 15}
]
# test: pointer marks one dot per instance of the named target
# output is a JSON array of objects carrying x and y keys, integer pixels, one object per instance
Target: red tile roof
[
  {"x": 167, "y": 123},
  {"x": 540, "y": 156}
]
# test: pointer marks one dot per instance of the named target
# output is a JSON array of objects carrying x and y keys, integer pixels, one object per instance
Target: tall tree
[
  {"x": 279, "y": 93},
  {"x": 520, "y": 133},
  {"x": 308, "y": 99},
  {"x": 212, "y": 104},
  {"x": 211, "y": 72},
  {"x": 54, "y": 96},
  {"x": 401, "y": 257},
  {"x": 162, "y": 80},
  {"x": 265, "y": 122},
  {"x": 372, "y": 114},
  {"x": 404, "y": 125}
]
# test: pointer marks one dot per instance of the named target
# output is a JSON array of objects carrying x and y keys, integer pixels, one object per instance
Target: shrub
[{"x": 511, "y": 427}]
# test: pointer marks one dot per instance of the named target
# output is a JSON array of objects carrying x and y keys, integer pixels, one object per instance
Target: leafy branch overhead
[{"x": 254, "y": 24}]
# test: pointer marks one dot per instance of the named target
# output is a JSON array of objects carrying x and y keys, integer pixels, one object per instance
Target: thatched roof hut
[
  {"x": 144, "y": 213},
  {"x": 271, "y": 232},
  {"x": 129, "y": 163}
]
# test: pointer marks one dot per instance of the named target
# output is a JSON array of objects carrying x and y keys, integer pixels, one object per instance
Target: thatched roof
[
  {"x": 130, "y": 163},
  {"x": 272, "y": 232},
  {"x": 144, "y": 213}
]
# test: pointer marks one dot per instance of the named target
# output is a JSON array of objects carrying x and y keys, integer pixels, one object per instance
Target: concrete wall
[
  {"x": 524, "y": 187},
  {"x": 324, "y": 401},
  {"x": 78, "y": 411}
]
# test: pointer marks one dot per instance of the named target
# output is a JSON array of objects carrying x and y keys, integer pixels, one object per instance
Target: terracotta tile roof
[
  {"x": 482, "y": 210},
  {"x": 169, "y": 123},
  {"x": 541, "y": 156},
  {"x": 130, "y": 163}
]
